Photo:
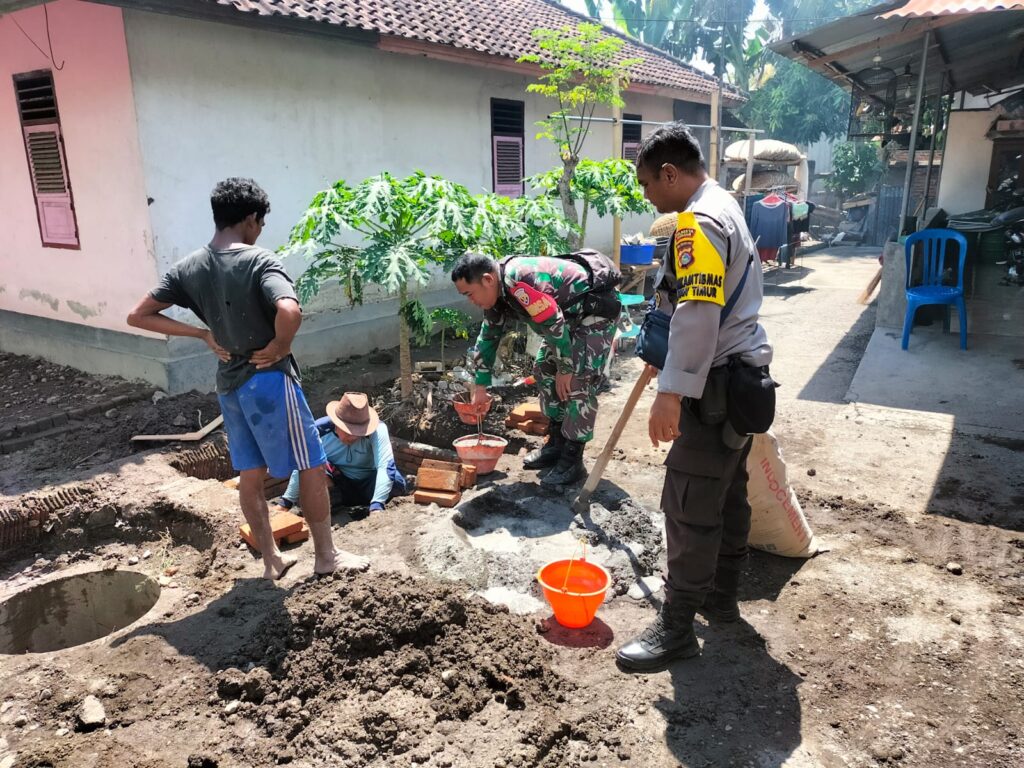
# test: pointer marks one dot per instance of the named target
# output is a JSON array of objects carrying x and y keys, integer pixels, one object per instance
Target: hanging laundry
[
  {"x": 803, "y": 224},
  {"x": 768, "y": 222}
]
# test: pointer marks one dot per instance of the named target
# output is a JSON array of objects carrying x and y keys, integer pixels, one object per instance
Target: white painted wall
[
  {"x": 967, "y": 159},
  {"x": 297, "y": 113}
]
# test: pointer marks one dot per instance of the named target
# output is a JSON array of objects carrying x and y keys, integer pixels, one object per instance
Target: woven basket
[{"x": 664, "y": 226}]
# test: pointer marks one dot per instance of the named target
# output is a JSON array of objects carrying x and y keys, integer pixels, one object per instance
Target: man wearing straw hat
[
  {"x": 361, "y": 469},
  {"x": 714, "y": 390},
  {"x": 247, "y": 303}
]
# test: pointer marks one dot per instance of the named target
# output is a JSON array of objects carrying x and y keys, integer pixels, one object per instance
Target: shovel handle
[{"x": 602, "y": 461}]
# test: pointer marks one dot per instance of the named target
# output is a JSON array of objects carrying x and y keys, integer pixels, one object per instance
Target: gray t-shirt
[{"x": 234, "y": 292}]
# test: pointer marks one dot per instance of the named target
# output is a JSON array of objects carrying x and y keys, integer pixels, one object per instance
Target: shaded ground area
[
  {"x": 31, "y": 388},
  {"x": 900, "y": 645}
]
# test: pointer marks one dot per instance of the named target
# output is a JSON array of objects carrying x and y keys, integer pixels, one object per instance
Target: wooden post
[
  {"x": 750, "y": 166},
  {"x": 617, "y": 154}
]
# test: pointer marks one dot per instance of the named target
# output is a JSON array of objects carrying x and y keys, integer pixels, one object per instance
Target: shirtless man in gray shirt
[{"x": 710, "y": 284}]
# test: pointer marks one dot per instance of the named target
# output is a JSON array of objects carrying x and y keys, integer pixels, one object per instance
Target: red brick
[
  {"x": 295, "y": 538},
  {"x": 282, "y": 524},
  {"x": 441, "y": 498},
  {"x": 468, "y": 477},
  {"x": 437, "y": 479}
]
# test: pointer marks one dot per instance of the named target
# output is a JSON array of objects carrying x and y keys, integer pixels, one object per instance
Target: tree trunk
[
  {"x": 404, "y": 350},
  {"x": 568, "y": 206},
  {"x": 583, "y": 222}
]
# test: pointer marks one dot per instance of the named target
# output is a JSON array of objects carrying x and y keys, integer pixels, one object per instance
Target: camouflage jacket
[{"x": 534, "y": 289}]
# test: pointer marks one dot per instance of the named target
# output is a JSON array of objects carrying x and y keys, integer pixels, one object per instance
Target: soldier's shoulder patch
[{"x": 538, "y": 305}]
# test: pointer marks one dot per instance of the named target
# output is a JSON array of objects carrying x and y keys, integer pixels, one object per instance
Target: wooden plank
[
  {"x": 437, "y": 479},
  {"x": 441, "y": 498},
  {"x": 186, "y": 437}
]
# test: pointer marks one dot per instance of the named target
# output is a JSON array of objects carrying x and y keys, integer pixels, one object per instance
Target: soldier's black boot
[
  {"x": 670, "y": 637},
  {"x": 721, "y": 606},
  {"x": 549, "y": 453},
  {"x": 569, "y": 468}
]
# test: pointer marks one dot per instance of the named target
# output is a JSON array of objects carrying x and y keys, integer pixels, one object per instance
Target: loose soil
[{"x": 899, "y": 645}]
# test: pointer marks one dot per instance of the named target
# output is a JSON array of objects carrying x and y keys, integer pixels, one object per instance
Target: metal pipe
[
  {"x": 912, "y": 149},
  {"x": 936, "y": 122},
  {"x": 730, "y": 128}
]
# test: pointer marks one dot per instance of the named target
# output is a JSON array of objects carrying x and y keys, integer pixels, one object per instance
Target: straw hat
[
  {"x": 353, "y": 414},
  {"x": 664, "y": 226}
]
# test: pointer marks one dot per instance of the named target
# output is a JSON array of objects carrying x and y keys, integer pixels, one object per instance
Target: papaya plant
[
  {"x": 451, "y": 320},
  {"x": 609, "y": 187},
  {"x": 410, "y": 228}
]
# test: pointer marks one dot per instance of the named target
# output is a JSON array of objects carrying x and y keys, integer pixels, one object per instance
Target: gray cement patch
[{"x": 498, "y": 538}]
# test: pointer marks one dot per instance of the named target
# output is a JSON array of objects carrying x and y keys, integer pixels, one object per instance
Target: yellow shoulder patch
[{"x": 698, "y": 266}]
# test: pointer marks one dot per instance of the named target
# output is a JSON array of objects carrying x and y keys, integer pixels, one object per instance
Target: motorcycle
[{"x": 1013, "y": 220}]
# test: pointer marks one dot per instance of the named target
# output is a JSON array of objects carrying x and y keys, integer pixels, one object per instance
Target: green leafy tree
[
  {"x": 450, "y": 319},
  {"x": 609, "y": 187},
  {"x": 856, "y": 168},
  {"x": 409, "y": 229},
  {"x": 583, "y": 69},
  {"x": 722, "y": 33},
  {"x": 797, "y": 105}
]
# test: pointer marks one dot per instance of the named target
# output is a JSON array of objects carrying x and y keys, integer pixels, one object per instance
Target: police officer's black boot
[
  {"x": 670, "y": 637},
  {"x": 721, "y": 606},
  {"x": 569, "y": 468},
  {"x": 549, "y": 453}
]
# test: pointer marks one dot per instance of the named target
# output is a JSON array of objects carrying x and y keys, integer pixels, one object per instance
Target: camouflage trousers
[{"x": 591, "y": 348}]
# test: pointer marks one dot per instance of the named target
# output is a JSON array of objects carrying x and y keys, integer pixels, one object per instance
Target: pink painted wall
[{"x": 99, "y": 283}]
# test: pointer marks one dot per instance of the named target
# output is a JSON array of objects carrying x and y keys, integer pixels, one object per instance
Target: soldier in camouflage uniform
[{"x": 572, "y": 303}]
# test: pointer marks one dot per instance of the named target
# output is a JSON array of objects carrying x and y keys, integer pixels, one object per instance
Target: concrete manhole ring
[{"x": 73, "y": 610}]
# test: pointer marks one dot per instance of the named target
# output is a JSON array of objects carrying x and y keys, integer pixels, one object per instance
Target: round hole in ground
[{"x": 74, "y": 610}]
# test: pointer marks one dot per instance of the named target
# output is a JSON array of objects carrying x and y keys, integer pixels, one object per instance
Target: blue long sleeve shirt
[{"x": 367, "y": 457}]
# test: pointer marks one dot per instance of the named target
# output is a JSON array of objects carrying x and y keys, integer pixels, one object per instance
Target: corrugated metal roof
[
  {"x": 927, "y": 8},
  {"x": 976, "y": 52}
]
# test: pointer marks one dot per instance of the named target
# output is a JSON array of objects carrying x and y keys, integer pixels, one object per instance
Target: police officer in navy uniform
[{"x": 716, "y": 370}]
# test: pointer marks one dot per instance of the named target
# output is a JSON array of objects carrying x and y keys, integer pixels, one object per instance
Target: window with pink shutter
[
  {"x": 47, "y": 163},
  {"x": 507, "y": 141}
]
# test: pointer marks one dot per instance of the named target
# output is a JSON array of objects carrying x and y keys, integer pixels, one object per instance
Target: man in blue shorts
[{"x": 248, "y": 304}]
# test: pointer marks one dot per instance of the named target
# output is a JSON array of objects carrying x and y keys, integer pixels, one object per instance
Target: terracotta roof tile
[{"x": 494, "y": 27}]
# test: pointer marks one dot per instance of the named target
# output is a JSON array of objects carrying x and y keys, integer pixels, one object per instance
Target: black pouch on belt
[
  {"x": 751, "y": 397},
  {"x": 713, "y": 406},
  {"x": 602, "y": 303}
]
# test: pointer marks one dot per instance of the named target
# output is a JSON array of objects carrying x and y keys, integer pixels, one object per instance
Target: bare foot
[
  {"x": 277, "y": 565},
  {"x": 348, "y": 561},
  {"x": 325, "y": 563},
  {"x": 341, "y": 561}
]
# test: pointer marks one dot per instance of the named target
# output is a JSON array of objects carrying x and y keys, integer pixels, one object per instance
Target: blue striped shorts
[{"x": 269, "y": 424}]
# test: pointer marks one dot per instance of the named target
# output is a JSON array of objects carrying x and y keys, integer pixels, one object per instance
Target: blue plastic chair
[{"x": 935, "y": 248}]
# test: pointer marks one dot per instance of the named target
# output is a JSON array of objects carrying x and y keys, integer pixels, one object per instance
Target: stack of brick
[
  {"x": 272, "y": 486},
  {"x": 528, "y": 418},
  {"x": 409, "y": 456},
  {"x": 287, "y": 527},
  {"x": 442, "y": 482}
]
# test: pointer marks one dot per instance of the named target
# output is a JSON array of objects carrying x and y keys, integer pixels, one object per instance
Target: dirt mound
[
  {"x": 365, "y": 671},
  {"x": 442, "y": 425},
  {"x": 32, "y": 388}
]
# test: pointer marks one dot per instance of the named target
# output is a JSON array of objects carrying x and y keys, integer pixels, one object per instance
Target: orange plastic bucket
[{"x": 574, "y": 588}]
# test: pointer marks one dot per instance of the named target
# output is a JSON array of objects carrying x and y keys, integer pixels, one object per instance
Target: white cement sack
[{"x": 777, "y": 524}]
